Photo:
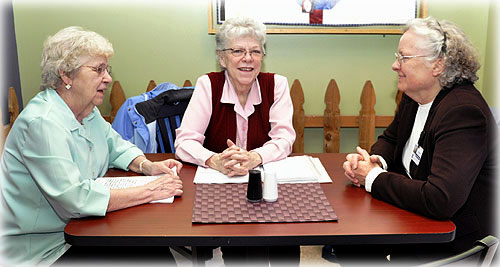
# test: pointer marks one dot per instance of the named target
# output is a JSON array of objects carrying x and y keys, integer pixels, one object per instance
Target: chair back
[
  {"x": 170, "y": 118},
  {"x": 481, "y": 254},
  {"x": 167, "y": 109}
]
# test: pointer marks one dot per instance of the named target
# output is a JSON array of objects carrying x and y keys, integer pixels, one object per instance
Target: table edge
[{"x": 257, "y": 240}]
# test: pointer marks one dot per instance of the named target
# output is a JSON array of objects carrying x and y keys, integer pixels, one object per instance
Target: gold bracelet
[{"x": 140, "y": 165}]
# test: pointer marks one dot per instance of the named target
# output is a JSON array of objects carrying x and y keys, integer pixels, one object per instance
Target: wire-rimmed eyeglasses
[
  {"x": 237, "y": 52},
  {"x": 100, "y": 69},
  {"x": 400, "y": 58}
]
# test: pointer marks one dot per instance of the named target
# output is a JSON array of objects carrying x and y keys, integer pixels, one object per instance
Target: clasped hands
[
  {"x": 358, "y": 165},
  {"x": 234, "y": 160}
]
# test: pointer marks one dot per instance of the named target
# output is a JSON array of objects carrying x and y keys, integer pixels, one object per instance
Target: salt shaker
[{"x": 270, "y": 187}]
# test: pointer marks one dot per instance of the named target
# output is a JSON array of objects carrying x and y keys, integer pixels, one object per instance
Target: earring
[{"x": 68, "y": 86}]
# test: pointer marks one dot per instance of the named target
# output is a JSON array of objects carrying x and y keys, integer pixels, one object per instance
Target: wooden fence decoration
[
  {"x": 13, "y": 105},
  {"x": 298, "y": 115},
  {"x": 116, "y": 98},
  {"x": 187, "y": 83},
  {"x": 151, "y": 86},
  {"x": 331, "y": 121},
  {"x": 13, "y": 108},
  {"x": 367, "y": 116}
]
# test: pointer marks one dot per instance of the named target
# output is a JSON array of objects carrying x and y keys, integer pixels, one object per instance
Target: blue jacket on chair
[
  {"x": 167, "y": 109},
  {"x": 132, "y": 126}
]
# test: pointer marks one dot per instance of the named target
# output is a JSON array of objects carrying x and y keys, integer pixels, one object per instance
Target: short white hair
[
  {"x": 237, "y": 27},
  {"x": 446, "y": 40},
  {"x": 67, "y": 50}
]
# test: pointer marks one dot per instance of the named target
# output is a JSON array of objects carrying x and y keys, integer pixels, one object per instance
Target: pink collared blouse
[{"x": 190, "y": 135}]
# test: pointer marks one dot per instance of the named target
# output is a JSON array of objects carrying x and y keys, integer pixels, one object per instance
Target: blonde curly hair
[
  {"x": 444, "y": 39},
  {"x": 67, "y": 50}
]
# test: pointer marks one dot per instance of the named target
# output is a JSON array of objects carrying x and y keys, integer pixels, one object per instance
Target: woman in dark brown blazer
[{"x": 437, "y": 157}]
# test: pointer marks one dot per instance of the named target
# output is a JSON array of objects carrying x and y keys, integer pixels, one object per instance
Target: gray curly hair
[
  {"x": 237, "y": 27},
  {"x": 446, "y": 40},
  {"x": 67, "y": 50}
]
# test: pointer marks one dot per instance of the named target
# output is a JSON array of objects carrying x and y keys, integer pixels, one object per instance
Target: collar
[
  {"x": 65, "y": 112},
  {"x": 229, "y": 94}
]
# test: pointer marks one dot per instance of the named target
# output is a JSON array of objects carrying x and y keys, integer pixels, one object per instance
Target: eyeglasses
[
  {"x": 401, "y": 58},
  {"x": 237, "y": 52},
  {"x": 100, "y": 69}
]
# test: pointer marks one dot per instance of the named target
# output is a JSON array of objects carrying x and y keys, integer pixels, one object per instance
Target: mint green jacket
[{"x": 48, "y": 171}]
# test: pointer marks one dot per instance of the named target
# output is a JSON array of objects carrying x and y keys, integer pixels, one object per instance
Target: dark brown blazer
[{"x": 456, "y": 176}]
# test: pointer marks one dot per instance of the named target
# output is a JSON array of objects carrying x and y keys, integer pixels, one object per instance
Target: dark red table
[{"x": 361, "y": 220}]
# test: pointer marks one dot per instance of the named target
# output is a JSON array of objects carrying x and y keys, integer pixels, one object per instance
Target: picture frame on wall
[{"x": 321, "y": 16}]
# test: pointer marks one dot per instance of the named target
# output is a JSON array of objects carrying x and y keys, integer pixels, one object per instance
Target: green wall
[
  {"x": 491, "y": 57},
  {"x": 168, "y": 41}
]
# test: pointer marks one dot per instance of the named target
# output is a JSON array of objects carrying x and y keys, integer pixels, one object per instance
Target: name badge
[{"x": 417, "y": 154}]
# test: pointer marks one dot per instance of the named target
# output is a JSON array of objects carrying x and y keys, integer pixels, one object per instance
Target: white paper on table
[
  {"x": 297, "y": 169},
  {"x": 323, "y": 175},
  {"x": 210, "y": 176},
  {"x": 133, "y": 181}
]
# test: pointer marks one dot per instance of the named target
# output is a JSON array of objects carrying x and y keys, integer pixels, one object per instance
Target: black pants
[
  {"x": 117, "y": 256},
  {"x": 261, "y": 256}
]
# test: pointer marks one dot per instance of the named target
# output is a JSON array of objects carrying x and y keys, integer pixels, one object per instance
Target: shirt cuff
[
  {"x": 371, "y": 176},
  {"x": 382, "y": 160},
  {"x": 262, "y": 153},
  {"x": 202, "y": 160},
  {"x": 124, "y": 160}
]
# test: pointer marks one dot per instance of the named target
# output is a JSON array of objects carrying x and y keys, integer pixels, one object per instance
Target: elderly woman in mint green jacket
[{"x": 59, "y": 145}]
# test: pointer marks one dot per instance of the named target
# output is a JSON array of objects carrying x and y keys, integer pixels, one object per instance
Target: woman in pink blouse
[{"x": 240, "y": 117}]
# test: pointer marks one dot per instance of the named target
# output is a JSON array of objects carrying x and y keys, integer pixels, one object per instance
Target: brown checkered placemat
[{"x": 227, "y": 203}]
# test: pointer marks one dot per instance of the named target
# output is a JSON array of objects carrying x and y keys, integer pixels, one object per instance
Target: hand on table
[
  {"x": 234, "y": 160},
  {"x": 160, "y": 167},
  {"x": 358, "y": 165},
  {"x": 166, "y": 186}
]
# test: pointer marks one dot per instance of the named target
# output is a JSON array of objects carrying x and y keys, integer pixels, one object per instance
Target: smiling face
[
  {"x": 242, "y": 71},
  {"x": 416, "y": 77}
]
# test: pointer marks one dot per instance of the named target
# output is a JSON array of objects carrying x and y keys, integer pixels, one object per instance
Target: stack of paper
[
  {"x": 132, "y": 181},
  {"x": 210, "y": 176},
  {"x": 298, "y": 169}
]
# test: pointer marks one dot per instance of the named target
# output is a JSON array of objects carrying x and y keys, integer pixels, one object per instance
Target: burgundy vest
[{"x": 222, "y": 125}]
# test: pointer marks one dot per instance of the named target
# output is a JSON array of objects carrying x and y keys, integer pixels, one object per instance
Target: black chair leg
[
  {"x": 200, "y": 255},
  {"x": 328, "y": 253}
]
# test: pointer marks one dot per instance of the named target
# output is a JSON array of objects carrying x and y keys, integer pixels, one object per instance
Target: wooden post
[
  {"x": 13, "y": 105},
  {"x": 331, "y": 119},
  {"x": 367, "y": 117},
  {"x": 187, "y": 83},
  {"x": 297, "y": 95},
  {"x": 116, "y": 98},
  {"x": 151, "y": 86},
  {"x": 399, "y": 95}
]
